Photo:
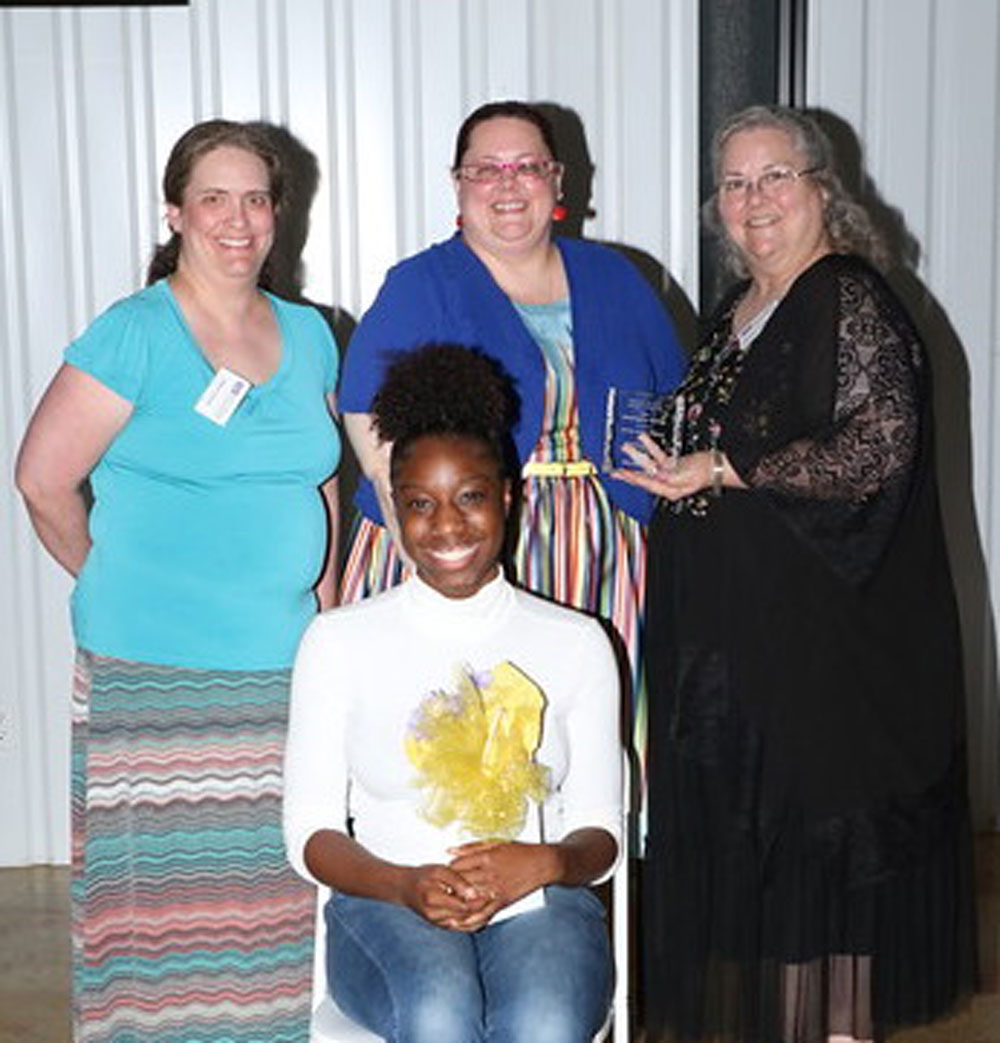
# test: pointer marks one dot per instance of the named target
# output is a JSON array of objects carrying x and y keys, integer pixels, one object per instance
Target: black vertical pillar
[{"x": 751, "y": 53}]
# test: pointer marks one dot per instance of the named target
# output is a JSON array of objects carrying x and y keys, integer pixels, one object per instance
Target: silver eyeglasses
[
  {"x": 771, "y": 183},
  {"x": 529, "y": 168}
]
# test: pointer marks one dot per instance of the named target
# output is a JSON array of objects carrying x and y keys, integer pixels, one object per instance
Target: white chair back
[{"x": 329, "y": 1023}]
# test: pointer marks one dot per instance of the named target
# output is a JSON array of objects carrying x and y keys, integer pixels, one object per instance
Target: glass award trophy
[{"x": 629, "y": 414}]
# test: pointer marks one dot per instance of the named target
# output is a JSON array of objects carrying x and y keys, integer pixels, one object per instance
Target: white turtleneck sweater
[{"x": 363, "y": 669}]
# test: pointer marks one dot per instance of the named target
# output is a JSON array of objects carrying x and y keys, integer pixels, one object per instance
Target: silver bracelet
[{"x": 718, "y": 471}]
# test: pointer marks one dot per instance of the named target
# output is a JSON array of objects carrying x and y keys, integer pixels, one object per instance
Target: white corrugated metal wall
[
  {"x": 919, "y": 83},
  {"x": 90, "y": 102}
]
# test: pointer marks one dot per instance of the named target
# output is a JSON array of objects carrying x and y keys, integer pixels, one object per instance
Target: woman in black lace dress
[{"x": 808, "y": 858}]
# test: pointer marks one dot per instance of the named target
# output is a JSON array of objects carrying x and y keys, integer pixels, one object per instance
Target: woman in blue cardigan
[{"x": 567, "y": 319}]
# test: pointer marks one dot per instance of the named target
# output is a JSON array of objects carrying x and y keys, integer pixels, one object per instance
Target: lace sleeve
[
  {"x": 844, "y": 488},
  {"x": 873, "y": 437}
]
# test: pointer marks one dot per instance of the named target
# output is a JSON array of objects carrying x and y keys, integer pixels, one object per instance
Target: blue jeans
[{"x": 544, "y": 976}]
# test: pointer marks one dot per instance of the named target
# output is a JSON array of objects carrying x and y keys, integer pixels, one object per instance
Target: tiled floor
[
  {"x": 34, "y": 955},
  {"x": 979, "y": 1021},
  {"x": 34, "y": 959}
]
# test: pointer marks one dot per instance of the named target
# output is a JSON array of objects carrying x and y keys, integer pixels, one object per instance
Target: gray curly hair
[{"x": 848, "y": 224}]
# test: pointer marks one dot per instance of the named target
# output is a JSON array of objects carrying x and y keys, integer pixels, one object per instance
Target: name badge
[{"x": 225, "y": 391}]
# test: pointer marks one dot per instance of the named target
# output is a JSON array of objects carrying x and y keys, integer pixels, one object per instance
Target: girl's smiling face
[{"x": 451, "y": 500}]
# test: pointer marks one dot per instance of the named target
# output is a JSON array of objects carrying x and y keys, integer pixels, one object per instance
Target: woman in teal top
[
  {"x": 222, "y": 522},
  {"x": 200, "y": 411}
]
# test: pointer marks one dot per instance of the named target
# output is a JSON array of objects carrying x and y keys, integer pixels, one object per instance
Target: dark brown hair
[
  {"x": 519, "y": 110},
  {"x": 447, "y": 390}
]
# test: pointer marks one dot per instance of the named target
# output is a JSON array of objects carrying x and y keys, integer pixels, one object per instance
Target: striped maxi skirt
[{"x": 188, "y": 923}]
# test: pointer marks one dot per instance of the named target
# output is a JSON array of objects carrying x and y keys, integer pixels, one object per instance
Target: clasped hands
[{"x": 482, "y": 878}]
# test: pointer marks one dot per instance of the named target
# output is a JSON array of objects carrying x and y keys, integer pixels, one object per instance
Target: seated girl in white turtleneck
[{"x": 453, "y": 768}]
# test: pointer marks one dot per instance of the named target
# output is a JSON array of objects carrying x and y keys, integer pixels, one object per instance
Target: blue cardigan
[{"x": 622, "y": 337}]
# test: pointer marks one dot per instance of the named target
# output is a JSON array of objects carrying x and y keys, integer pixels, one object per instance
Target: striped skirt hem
[{"x": 188, "y": 923}]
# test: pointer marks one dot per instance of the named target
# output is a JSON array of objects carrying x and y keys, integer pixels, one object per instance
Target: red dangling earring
[
  {"x": 559, "y": 212},
  {"x": 458, "y": 220}
]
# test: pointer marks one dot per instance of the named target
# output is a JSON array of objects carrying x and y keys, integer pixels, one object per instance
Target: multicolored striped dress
[
  {"x": 573, "y": 546},
  {"x": 188, "y": 923}
]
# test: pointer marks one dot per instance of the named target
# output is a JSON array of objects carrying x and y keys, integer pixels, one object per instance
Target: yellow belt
[{"x": 557, "y": 469}]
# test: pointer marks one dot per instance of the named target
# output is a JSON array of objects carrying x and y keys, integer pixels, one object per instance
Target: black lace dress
[{"x": 808, "y": 863}]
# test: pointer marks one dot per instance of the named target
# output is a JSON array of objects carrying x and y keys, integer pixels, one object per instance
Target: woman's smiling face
[
  {"x": 226, "y": 220},
  {"x": 514, "y": 213},
  {"x": 451, "y": 500},
  {"x": 776, "y": 222}
]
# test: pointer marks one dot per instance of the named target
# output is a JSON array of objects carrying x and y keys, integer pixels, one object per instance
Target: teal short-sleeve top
[{"x": 207, "y": 538}]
